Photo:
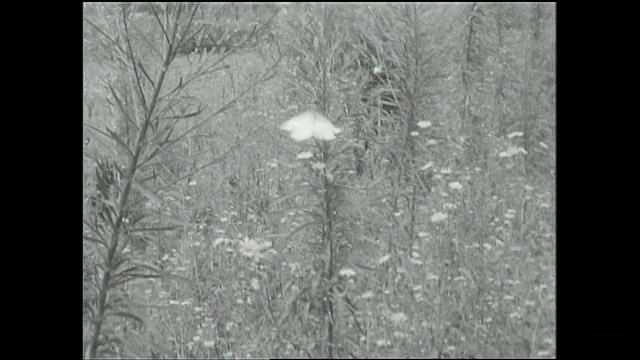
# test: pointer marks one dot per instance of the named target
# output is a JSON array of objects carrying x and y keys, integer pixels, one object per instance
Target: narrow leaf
[
  {"x": 126, "y": 315},
  {"x": 302, "y": 227},
  {"x": 147, "y": 193}
]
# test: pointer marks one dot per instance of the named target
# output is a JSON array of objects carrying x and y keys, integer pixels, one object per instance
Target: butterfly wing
[
  {"x": 324, "y": 129},
  {"x": 310, "y": 124}
]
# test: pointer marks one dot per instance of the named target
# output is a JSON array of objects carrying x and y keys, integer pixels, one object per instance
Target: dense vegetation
[{"x": 407, "y": 209}]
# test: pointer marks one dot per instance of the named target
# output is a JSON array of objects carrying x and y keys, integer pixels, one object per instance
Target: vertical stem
[{"x": 117, "y": 227}]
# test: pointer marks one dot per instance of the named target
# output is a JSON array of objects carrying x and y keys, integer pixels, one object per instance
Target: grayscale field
[{"x": 319, "y": 180}]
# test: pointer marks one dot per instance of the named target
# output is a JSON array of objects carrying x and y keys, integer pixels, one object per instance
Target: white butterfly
[{"x": 310, "y": 124}]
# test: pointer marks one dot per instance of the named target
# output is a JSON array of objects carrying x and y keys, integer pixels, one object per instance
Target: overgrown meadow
[{"x": 338, "y": 180}]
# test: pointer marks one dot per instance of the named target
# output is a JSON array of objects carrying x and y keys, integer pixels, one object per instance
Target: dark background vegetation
[{"x": 199, "y": 219}]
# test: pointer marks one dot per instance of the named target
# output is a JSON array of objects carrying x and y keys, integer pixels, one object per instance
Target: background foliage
[{"x": 205, "y": 225}]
